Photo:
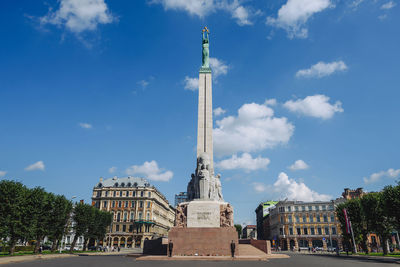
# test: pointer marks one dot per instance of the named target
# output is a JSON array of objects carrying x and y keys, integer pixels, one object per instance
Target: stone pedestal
[
  {"x": 203, "y": 214},
  {"x": 203, "y": 241}
]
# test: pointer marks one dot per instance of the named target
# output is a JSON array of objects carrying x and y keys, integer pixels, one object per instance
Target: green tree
[
  {"x": 373, "y": 207},
  {"x": 40, "y": 205},
  {"x": 103, "y": 220},
  {"x": 14, "y": 212},
  {"x": 238, "y": 229},
  {"x": 391, "y": 202},
  {"x": 81, "y": 217},
  {"x": 58, "y": 219}
]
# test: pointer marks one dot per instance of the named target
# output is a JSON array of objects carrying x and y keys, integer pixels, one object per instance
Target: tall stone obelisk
[
  {"x": 205, "y": 122},
  {"x": 204, "y": 224}
]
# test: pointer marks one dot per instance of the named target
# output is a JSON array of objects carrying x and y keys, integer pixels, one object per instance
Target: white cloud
[
  {"x": 270, "y": 102},
  {"x": 143, "y": 83},
  {"x": 85, "y": 125},
  {"x": 388, "y": 5},
  {"x": 218, "y": 67},
  {"x": 254, "y": 128},
  {"x": 79, "y": 15},
  {"x": 2, "y": 173},
  {"x": 314, "y": 106},
  {"x": 375, "y": 177},
  {"x": 294, "y": 15},
  {"x": 322, "y": 69},
  {"x": 36, "y": 166},
  {"x": 245, "y": 162},
  {"x": 218, "y": 111},
  {"x": 298, "y": 165},
  {"x": 151, "y": 171},
  {"x": 191, "y": 83},
  {"x": 112, "y": 169},
  {"x": 260, "y": 187},
  {"x": 202, "y": 8},
  {"x": 284, "y": 187}
]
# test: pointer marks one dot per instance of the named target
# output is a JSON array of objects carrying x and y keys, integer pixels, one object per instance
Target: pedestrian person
[
  {"x": 233, "y": 247},
  {"x": 119, "y": 249},
  {"x": 170, "y": 247}
]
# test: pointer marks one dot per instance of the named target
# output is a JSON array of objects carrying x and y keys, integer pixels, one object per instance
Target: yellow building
[
  {"x": 140, "y": 211},
  {"x": 304, "y": 225}
]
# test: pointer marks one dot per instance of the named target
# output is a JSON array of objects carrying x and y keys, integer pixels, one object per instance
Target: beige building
[
  {"x": 296, "y": 224},
  {"x": 140, "y": 211}
]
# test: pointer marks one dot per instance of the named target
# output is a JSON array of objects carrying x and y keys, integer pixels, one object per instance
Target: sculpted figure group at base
[
  {"x": 204, "y": 185},
  {"x": 181, "y": 216},
  {"x": 226, "y": 216}
]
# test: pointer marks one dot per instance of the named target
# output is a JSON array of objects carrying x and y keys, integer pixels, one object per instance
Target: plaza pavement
[{"x": 114, "y": 260}]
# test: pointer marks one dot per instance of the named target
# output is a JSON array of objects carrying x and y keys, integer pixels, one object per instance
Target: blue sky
[{"x": 305, "y": 95}]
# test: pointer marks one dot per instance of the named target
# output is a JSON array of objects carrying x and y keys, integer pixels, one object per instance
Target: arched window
[
  {"x": 116, "y": 185},
  {"x": 132, "y": 216},
  {"x": 148, "y": 216}
]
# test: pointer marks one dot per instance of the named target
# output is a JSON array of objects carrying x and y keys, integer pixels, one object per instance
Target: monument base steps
[{"x": 196, "y": 241}]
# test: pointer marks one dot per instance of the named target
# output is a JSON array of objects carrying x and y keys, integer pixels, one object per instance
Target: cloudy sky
[{"x": 306, "y": 95}]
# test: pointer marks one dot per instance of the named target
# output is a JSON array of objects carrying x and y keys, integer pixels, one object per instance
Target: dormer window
[
  {"x": 116, "y": 185},
  {"x": 122, "y": 184}
]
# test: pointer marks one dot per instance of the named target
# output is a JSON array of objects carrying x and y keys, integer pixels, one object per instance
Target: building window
[
  {"x": 117, "y": 228},
  {"x": 140, "y": 204},
  {"x": 120, "y": 193},
  {"x": 290, "y": 231},
  {"x": 113, "y": 204},
  {"x": 297, "y": 218},
  {"x": 124, "y": 228},
  {"x": 141, "y": 193},
  {"x": 327, "y": 230},
  {"x": 115, "y": 193},
  {"x": 324, "y": 207},
  {"x": 312, "y": 231},
  {"x": 296, "y": 208},
  {"x": 132, "y": 204},
  {"x": 333, "y": 231},
  {"x": 118, "y": 217},
  {"x": 148, "y": 216},
  {"x": 68, "y": 239},
  {"x": 290, "y": 218},
  {"x": 132, "y": 216},
  {"x": 316, "y": 207},
  {"x": 148, "y": 203},
  {"x": 332, "y": 218},
  {"x": 303, "y": 208},
  {"x": 281, "y": 231},
  {"x": 330, "y": 207},
  {"x": 105, "y": 204},
  {"x": 131, "y": 228},
  {"x": 98, "y": 193},
  {"x": 318, "y": 218},
  {"x": 319, "y": 231},
  {"x": 325, "y": 218},
  {"x": 106, "y": 193},
  {"x": 310, "y": 208},
  {"x": 119, "y": 204},
  {"x": 304, "y": 218},
  {"x": 149, "y": 194},
  {"x": 80, "y": 240},
  {"x": 126, "y": 204},
  {"x": 311, "y": 218},
  {"x": 125, "y": 216},
  {"x": 289, "y": 208},
  {"x": 140, "y": 216},
  {"x": 134, "y": 193},
  {"x": 298, "y": 231},
  {"x": 305, "y": 230}
]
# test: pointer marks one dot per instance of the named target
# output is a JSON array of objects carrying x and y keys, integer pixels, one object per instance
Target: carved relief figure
[
  {"x": 180, "y": 216},
  {"x": 226, "y": 216}
]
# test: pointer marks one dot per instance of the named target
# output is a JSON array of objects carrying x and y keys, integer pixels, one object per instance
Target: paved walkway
[{"x": 246, "y": 253}]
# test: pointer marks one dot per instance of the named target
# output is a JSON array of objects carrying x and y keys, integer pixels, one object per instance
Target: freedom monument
[{"x": 204, "y": 224}]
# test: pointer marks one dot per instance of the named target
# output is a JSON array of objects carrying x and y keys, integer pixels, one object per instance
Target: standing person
[
  {"x": 119, "y": 248},
  {"x": 233, "y": 247},
  {"x": 170, "y": 247}
]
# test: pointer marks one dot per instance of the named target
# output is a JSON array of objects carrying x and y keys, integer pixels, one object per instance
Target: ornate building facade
[
  {"x": 140, "y": 211},
  {"x": 296, "y": 224}
]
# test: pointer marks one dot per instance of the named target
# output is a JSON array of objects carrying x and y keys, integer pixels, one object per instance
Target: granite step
[{"x": 249, "y": 250}]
